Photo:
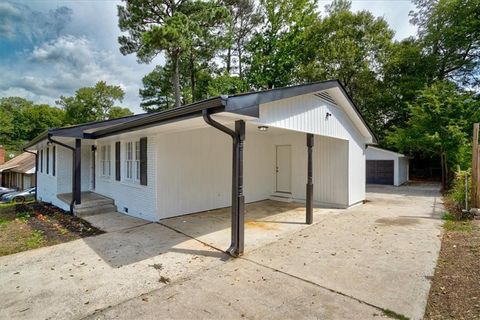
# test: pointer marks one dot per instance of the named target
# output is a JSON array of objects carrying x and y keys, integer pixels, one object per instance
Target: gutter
[
  {"x": 238, "y": 199},
  {"x": 74, "y": 175},
  {"x": 36, "y": 170},
  {"x": 216, "y": 104}
]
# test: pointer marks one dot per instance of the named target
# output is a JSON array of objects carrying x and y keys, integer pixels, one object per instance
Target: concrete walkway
[{"x": 350, "y": 264}]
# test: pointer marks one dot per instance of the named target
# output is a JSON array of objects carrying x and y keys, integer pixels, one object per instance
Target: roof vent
[{"x": 324, "y": 95}]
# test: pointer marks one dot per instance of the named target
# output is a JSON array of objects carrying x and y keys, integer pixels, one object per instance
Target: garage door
[{"x": 380, "y": 171}]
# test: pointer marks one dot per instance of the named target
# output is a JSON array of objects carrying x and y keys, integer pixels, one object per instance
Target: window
[
  {"x": 132, "y": 161},
  {"x": 106, "y": 157}
]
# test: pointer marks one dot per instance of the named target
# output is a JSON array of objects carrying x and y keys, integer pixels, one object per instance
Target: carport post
[
  {"x": 77, "y": 174},
  {"x": 309, "y": 205},
  {"x": 240, "y": 219},
  {"x": 238, "y": 199}
]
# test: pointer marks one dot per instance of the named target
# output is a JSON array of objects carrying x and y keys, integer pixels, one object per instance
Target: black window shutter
[
  {"x": 54, "y": 161},
  {"x": 41, "y": 160},
  {"x": 117, "y": 160},
  {"x": 48, "y": 159},
  {"x": 143, "y": 161}
]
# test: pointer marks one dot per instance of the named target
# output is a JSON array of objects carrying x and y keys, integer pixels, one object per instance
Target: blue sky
[{"x": 51, "y": 48}]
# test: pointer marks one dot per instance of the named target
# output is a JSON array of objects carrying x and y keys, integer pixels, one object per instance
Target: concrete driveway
[{"x": 351, "y": 264}]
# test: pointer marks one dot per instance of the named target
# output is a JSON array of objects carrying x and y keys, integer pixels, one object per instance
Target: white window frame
[
  {"x": 106, "y": 160},
  {"x": 132, "y": 161}
]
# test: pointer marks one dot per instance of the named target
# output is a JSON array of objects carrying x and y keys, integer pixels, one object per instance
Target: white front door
[{"x": 284, "y": 168}]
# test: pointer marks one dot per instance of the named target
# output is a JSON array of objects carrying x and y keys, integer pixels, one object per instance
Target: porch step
[
  {"x": 94, "y": 203},
  {"x": 281, "y": 197},
  {"x": 94, "y": 210}
]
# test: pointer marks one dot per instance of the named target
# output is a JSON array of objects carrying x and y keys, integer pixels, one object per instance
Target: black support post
[
  {"x": 309, "y": 205},
  {"x": 238, "y": 199},
  {"x": 237, "y": 249},
  {"x": 78, "y": 174}
]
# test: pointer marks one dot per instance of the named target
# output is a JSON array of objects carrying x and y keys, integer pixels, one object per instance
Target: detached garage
[{"x": 386, "y": 167}]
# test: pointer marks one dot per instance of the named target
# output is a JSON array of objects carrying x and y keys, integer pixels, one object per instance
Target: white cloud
[
  {"x": 61, "y": 66},
  {"x": 73, "y": 44},
  {"x": 20, "y": 22},
  {"x": 8, "y": 15}
]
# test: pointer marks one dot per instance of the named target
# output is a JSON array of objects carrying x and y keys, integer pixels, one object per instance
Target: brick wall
[{"x": 2, "y": 155}]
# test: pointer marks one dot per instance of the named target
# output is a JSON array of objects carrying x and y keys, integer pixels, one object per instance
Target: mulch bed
[
  {"x": 34, "y": 225},
  {"x": 455, "y": 291}
]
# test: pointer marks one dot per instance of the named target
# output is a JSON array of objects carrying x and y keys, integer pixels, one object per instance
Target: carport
[{"x": 302, "y": 144}]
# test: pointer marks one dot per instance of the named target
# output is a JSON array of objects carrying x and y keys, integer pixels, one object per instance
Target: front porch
[{"x": 92, "y": 203}]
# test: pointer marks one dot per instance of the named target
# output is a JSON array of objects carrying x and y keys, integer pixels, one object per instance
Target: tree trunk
[
  {"x": 192, "y": 76},
  {"x": 229, "y": 58},
  {"x": 240, "y": 73},
  {"x": 176, "y": 80},
  {"x": 443, "y": 166}
]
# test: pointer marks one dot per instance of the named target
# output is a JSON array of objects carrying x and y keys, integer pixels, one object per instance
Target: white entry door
[{"x": 284, "y": 168}]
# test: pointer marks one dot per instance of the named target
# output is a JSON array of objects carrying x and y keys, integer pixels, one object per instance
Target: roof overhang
[
  {"x": 244, "y": 105},
  {"x": 400, "y": 155}
]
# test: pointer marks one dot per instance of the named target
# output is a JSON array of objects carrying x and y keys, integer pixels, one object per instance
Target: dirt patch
[
  {"x": 455, "y": 291},
  {"x": 397, "y": 221},
  {"x": 260, "y": 225},
  {"x": 29, "y": 226}
]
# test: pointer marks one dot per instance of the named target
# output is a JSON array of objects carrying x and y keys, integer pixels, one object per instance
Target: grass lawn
[
  {"x": 34, "y": 225},
  {"x": 455, "y": 291}
]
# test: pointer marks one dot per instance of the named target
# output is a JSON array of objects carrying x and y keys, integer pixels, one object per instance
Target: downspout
[
  {"x": 36, "y": 170},
  {"x": 238, "y": 200},
  {"x": 74, "y": 174}
]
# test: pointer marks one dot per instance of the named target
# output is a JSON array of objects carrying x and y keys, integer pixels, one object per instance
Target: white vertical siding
[
  {"x": 48, "y": 186},
  {"x": 86, "y": 154},
  {"x": 330, "y": 174},
  {"x": 194, "y": 170},
  {"x": 403, "y": 168},
  {"x": 356, "y": 172},
  {"x": 308, "y": 113}
]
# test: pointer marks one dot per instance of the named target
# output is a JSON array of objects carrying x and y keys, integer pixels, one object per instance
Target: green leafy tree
[
  {"x": 179, "y": 29},
  {"x": 439, "y": 125},
  {"x": 244, "y": 20},
  {"x": 226, "y": 85},
  {"x": 354, "y": 48},
  {"x": 275, "y": 48},
  {"x": 157, "y": 92},
  {"x": 118, "y": 112},
  {"x": 450, "y": 34},
  {"x": 22, "y": 120},
  {"x": 404, "y": 75},
  {"x": 92, "y": 103}
]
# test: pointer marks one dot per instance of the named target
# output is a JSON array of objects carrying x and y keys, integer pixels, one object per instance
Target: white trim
[{"x": 388, "y": 151}]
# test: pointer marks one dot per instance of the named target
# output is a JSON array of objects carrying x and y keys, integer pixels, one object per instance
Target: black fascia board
[
  {"x": 248, "y": 103},
  {"x": 193, "y": 110}
]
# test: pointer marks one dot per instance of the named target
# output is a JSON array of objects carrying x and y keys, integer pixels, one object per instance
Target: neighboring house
[
  {"x": 303, "y": 143},
  {"x": 386, "y": 167},
  {"x": 19, "y": 172}
]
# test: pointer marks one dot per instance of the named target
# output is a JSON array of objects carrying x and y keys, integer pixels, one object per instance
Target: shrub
[{"x": 455, "y": 197}]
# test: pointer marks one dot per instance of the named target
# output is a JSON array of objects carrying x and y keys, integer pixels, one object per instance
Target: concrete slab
[
  {"x": 265, "y": 222},
  {"x": 240, "y": 289},
  {"x": 72, "y": 280},
  {"x": 346, "y": 266},
  {"x": 114, "y": 221},
  {"x": 383, "y": 252}
]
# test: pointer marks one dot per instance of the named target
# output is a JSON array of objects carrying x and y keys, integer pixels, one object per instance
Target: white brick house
[{"x": 179, "y": 161}]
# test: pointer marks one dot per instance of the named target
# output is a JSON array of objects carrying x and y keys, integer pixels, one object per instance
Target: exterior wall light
[{"x": 263, "y": 128}]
